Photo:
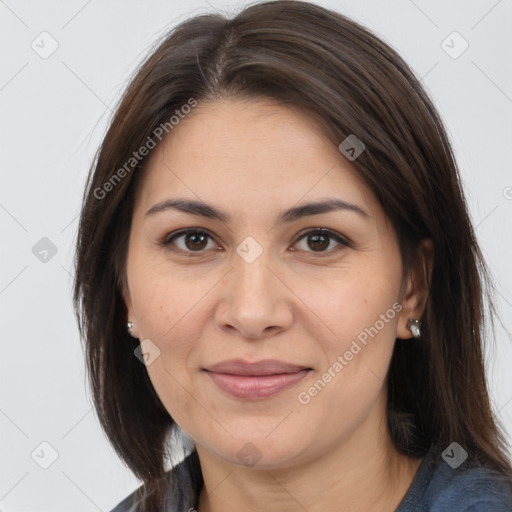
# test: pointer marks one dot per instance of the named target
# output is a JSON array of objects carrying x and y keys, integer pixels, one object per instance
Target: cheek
[
  {"x": 164, "y": 298},
  {"x": 357, "y": 348},
  {"x": 359, "y": 314},
  {"x": 352, "y": 302},
  {"x": 171, "y": 312}
]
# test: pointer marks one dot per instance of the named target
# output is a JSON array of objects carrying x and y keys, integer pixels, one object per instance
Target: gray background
[{"x": 54, "y": 111}]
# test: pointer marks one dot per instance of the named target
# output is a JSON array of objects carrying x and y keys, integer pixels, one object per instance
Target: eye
[
  {"x": 320, "y": 241},
  {"x": 189, "y": 241}
]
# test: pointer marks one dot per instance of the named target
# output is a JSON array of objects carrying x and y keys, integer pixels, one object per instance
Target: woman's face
[{"x": 259, "y": 282}]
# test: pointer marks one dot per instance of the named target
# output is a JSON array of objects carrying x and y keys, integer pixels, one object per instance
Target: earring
[
  {"x": 129, "y": 326},
  {"x": 415, "y": 327}
]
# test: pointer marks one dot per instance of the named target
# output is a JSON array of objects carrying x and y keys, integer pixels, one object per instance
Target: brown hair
[{"x": 303, "y": 55}]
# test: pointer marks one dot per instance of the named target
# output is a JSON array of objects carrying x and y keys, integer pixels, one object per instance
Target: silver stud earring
[
  {"x": 129, "y": 326},
  {"x": 415, "y": 327}
]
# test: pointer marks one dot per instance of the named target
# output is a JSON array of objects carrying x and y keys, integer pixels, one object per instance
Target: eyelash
[{"x": 168, "y": 240}]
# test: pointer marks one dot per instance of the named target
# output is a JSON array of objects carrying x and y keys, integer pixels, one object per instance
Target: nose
[{"x": 255, "y": 302}]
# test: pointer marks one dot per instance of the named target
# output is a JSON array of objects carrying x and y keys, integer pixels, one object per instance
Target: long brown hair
[{"x": 307, "y": 56}]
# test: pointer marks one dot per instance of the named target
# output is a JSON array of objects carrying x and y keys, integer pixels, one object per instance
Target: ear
[
  {"x": 130, "y": 316},
  {"x": 416, "y": 289}
]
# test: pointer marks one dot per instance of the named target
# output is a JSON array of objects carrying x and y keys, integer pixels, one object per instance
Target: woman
[{"x": 275, "y": 261}]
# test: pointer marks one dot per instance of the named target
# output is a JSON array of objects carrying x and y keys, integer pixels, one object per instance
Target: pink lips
[{"x": 255, "y": 380}]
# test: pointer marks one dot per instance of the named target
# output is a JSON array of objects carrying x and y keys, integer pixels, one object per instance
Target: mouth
[{"x": 255, "y": 380}]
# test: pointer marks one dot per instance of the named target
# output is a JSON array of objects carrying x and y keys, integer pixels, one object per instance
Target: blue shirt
[{"x": 436, "y": 487}]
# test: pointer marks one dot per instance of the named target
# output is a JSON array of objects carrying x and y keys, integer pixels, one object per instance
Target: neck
[{"x": 365, "y": 473}]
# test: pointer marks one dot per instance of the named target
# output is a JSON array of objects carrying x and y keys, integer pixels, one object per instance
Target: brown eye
[
  {"x": 189, "y": 241},
  {"x": 318, "y": 242},
  {"x": 322, "y": 241},
  {"x": 196, "y": 241}
]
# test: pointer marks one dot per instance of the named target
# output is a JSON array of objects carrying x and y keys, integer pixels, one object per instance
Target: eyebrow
[{"x": 295, "y": 213}]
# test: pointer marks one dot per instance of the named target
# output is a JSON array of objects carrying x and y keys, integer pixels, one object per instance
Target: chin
[{"x": 260, "y": 452}]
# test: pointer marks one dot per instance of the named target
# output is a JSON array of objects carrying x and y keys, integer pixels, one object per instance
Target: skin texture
[{"x": 252, "y": 160}]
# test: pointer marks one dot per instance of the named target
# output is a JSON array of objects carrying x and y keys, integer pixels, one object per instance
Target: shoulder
[
  {"x": 438, "y": 487},
  {"x": 183, "y": 483},
  {"x": 476, "y": 489}
]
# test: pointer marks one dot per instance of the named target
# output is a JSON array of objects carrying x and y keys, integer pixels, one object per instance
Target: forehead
[{"x": 255, "y": 154}]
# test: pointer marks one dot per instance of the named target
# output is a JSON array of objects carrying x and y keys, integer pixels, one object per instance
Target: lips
[
  {"x": 265, "y": 367},
  {"x": 255, "y": 380}
]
